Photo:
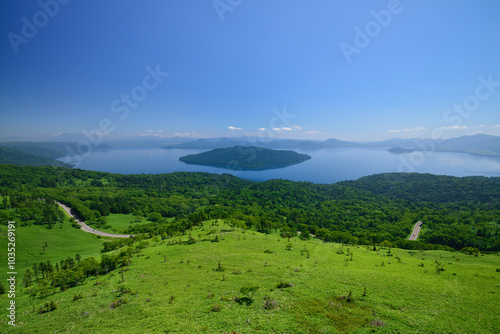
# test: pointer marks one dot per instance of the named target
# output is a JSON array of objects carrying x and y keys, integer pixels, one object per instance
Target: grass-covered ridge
[
  {"x": 246, "y": 158},
  {"x": 200, "y": 282}
]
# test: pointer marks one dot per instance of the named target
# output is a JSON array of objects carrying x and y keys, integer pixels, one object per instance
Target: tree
[{"x": 249, "y": 291}]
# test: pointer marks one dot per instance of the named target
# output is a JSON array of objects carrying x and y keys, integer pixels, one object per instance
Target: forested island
[
  {"x": 400, "y": 150},
  {"x": 246, "y": 158}
]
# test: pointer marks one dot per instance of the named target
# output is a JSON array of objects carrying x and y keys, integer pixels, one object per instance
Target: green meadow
[
  {"x": 119, "y": 222},
  {"x": 240, "y": 281},
  {"x": 37, "y": 243}
]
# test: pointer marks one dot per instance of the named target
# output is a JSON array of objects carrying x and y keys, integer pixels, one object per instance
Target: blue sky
[{"x": 363, "y": 70}]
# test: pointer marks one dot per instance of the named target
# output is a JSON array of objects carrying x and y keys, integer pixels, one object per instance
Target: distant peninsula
[{"x": 246, "y": 158}]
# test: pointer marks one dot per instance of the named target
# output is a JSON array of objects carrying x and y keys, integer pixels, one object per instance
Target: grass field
[
  {"x": 183, "y": 289},
  {"x": 119, "y": 222},
  {"x": 62, "y": 241}
]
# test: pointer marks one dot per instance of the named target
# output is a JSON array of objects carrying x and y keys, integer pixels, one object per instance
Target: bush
[
  {"x": 269, "y": 303},
  {"x": 219, "y": 267},
  {"x": 215, "y": 308},
  {"x": 118, "y": 302},
  {"x": 284, "y": 285},
  {"x": 249, "y": 290},
  {"x": 77, "y": 296},
  {"x": 378, "y": 323}
]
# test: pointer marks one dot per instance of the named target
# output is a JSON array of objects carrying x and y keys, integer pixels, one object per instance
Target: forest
[
  {"x": 456, "y": 212},
  {"x": 17, "y": 157}
]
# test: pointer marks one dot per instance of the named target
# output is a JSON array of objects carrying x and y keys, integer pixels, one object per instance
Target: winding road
[
  {"x": 89, "y": 229},
  {"x": 416, "y": 231}
]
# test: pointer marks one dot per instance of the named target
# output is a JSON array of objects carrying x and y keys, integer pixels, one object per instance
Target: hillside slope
[
  {"x": 19, "y": 158},
  {"x": 218, "y": 279}
]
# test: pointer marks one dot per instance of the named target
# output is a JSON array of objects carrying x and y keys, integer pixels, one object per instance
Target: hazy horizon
[{"x": 364, "y": 71}]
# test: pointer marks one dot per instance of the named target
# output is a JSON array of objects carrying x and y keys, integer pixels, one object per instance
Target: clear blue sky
[{"x": 230, "y": 63}]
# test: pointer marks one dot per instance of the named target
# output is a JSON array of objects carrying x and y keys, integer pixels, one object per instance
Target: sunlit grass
[{"x": 182, "y": 288}]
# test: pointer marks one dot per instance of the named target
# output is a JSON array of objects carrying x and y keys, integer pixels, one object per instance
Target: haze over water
[{"x": 326, "y": 166}]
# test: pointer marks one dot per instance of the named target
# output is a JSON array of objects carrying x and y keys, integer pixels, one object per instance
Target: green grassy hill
[{"x": 303, "y": 287}]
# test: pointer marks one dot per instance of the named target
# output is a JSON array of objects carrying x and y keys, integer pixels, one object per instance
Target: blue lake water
[{"x": 326, "y": 166}]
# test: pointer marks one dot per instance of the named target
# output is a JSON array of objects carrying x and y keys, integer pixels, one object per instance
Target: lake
[{"x": 326, "y": 166}]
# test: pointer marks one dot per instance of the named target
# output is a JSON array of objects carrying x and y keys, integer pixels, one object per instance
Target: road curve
[
  {"x": 416, "y": 231},
  {"x": 89, "y": 229}
]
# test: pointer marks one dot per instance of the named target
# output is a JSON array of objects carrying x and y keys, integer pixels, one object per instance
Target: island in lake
[
  {"x": 400, "y": 150},
  {"x": 246, "y": 158}
]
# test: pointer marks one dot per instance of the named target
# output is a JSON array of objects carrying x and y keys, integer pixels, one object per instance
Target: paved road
[
  {"x": 89, "y": 229},
  {"x": 416, "y": 231}
]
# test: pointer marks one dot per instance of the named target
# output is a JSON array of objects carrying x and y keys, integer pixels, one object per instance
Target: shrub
[
  {"x": 269, "y": 303},
  {"x": 219, "y": 267},
  {"x": 249, "y": 290},
  {"x": 284, "y": 285},
  {"x": 378, "y": 323},
  {"x": 77, "y": 296},
  {"x": 118, "y": 302},
  {"x": 215, "y": 308},
  {"x": 48, "y": 307}
]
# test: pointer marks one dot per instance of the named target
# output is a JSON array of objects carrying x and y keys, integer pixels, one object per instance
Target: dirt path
[
  {"x": 89, "y": 229},
  {"x": 416, "y": 231}
]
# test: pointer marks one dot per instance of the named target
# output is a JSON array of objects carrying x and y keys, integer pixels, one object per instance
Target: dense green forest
[
  {"x": 456, "y": 212},
  {"x": 246, "y": 158},
  {"x": 15, "y": 157}
]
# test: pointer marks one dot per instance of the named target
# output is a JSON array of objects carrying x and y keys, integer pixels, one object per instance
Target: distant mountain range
[
  {"x": 476, "y": 144},
  {"x": 59, "y": 146}
]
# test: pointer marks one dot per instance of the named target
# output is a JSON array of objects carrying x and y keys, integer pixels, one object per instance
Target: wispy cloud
[
  {"x": 185, "y": 134},
  {"x": 408, "y": 130},
  {"x": 234, "y": 128},
  {"x": 455, "y": 127},
  {"x": 261, "y": 129}
]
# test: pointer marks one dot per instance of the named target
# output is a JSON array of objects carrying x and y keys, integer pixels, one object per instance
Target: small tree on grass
[
  {"x": 219, "y": 267},
  {"x": 249, "y": 290}
]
